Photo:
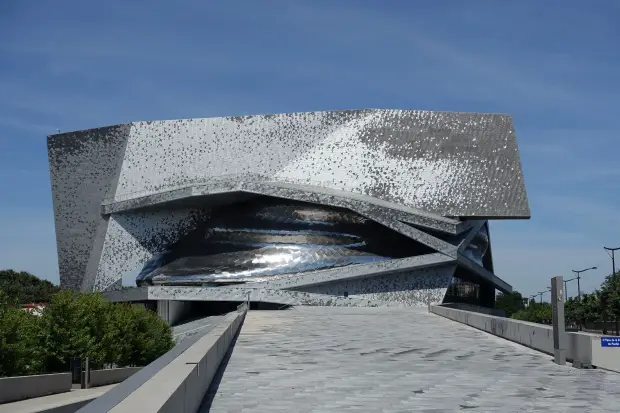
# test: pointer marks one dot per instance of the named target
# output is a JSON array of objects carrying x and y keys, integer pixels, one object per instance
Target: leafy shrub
[
  {"x": 535, "y": 313},
  {"x": 75, "y": 325},
  {"x": 79, "y": 325},
  {"x": 137, "y": 336},
  {"x": 19, "y": 350}
]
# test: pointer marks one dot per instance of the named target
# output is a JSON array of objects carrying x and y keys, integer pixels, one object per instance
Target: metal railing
[{"x": 244, "y": 306}]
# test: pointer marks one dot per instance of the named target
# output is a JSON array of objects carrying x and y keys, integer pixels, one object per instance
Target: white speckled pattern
[
  {"x": 132, "y": 239},
  {"x": 410, "y": 288},
  {"x": 457, "y": 164},
  {"x": 388, "y": 165},
  {"x": 265, "y": 295},
  {"x": 413, "y": 288}
]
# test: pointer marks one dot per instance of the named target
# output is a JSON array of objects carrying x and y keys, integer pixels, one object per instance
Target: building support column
[{"x": 487, "y": 295}]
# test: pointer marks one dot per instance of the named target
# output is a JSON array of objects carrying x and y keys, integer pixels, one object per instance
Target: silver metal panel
[
  {"x": 452, "y": 164},
  {"x": 266, "y": 237},
  {"x": 417, "y": 166},
  {"x": 283, "y": 297},
  {"x": 84, "y": 169},
  {"x": 353, "y": 272},
  {"x": 235, "y": 188},
  {"x": 412, "y": 288}
]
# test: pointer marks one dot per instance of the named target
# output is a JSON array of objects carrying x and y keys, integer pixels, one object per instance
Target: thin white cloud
[
  {"x": 25, "y": 125},
  {"x": 335, "y": 23}
]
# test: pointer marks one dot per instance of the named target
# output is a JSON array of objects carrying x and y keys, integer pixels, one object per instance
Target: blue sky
[{"x": 553, "y": 65}]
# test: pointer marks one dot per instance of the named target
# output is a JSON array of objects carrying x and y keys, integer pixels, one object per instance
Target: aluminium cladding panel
[
  {"x": 451, "y": 164},
  {"x": 409, "y": 288},
  {"x": 133, "y": 238},
  {"x": 84, "y": 169}
]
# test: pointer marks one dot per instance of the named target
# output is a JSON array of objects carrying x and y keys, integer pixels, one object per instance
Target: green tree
[
  {"x": 23, "y": 287},
  {"x": 137, "y": 336},
  {"x": 85, "y": 325},
  {"x": 610, "y": 299},
  {"x": 590, "y": 307},
  {"x": 535, "y": 313},
  {"x": 75, "y": 325},
  {"x": 509, "y": 302},
  {"x": 78, "y": 325},
  {"x": 19, "y": 350},
  {"x": 572, "y": 311}
]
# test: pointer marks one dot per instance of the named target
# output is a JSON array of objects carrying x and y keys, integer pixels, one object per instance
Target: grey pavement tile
[{"x": 318, "y": 359}]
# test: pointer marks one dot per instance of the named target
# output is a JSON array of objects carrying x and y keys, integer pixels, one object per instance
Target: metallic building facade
[{"x": 362, "y": 207}]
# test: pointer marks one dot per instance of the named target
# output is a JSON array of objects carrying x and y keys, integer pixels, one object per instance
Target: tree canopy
[
  {"x": 23, "y": 287},
  {"x": 509, "y": 302},
  {"x": 601, "y": 305},
  {"x": 78, "y": 325},
  {"x": 535, "y": 313}
]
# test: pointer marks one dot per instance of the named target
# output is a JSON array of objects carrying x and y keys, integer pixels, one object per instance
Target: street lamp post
[
  {"x": 543, "y": 292},
  {"x": 578, "y": 272},
  {"x": 613, "y": 260},
  {"x": 566, "y": 288}
]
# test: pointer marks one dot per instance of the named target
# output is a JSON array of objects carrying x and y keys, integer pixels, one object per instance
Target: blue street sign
[{"x": 610, "y": 341}]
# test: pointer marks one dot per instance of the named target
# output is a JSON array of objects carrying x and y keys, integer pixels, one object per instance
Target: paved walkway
[
  {"x": 182, "y": 331},
  {"x": 75, "y": 398},
  {"x": 394, "y": 360}
]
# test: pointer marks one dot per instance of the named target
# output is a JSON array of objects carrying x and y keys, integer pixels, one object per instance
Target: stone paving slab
[{"x": 394, "y": 360}]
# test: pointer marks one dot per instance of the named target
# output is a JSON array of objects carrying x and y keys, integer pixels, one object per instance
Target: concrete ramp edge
[
  {"x": 182, "y": 384},
  {"x": 583, "y": 349}
]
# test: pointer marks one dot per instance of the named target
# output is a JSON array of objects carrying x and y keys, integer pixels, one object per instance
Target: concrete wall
[
  {"x": 182, "y": 384},
  {"x": 173, "y": 311},
  {"x": 475, "y": 309},
  {"x": 27, "y": 387},
  {"x": 111, "y": 376},
  {"x": 582, "y": 348}
]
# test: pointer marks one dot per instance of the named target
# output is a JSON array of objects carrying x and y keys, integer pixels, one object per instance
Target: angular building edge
[{"x": 96, "y": 219}]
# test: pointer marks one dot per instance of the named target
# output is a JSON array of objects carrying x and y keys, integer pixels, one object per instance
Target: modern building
[{"x": 360, "y": 207}]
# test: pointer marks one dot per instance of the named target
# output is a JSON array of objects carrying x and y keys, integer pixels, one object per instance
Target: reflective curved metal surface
[
  {"x": 265, "y": 239},
  {"x": 478, "y": 246}
]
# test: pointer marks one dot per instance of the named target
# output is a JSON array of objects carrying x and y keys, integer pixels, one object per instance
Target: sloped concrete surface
[
  {"x": 183, "y": 331},
  {"x": 56, "y": 403},
  {"x": 394, "y": 360}
]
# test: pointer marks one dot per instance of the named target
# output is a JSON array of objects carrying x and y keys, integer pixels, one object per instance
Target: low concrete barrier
[
  {"x": 27, "y": 387},
  {"x": 121, "y": 391},
  {"x": 67, "y": 402},
  {"x": 110, "y": 376},
  {"x": 583, "y": 349},
  {"x": 179, "y": 384},
  {"x": 475, "y": 309}
]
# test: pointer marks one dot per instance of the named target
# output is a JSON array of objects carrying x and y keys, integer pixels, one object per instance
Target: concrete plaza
[{"x": 394, "y": 360}]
